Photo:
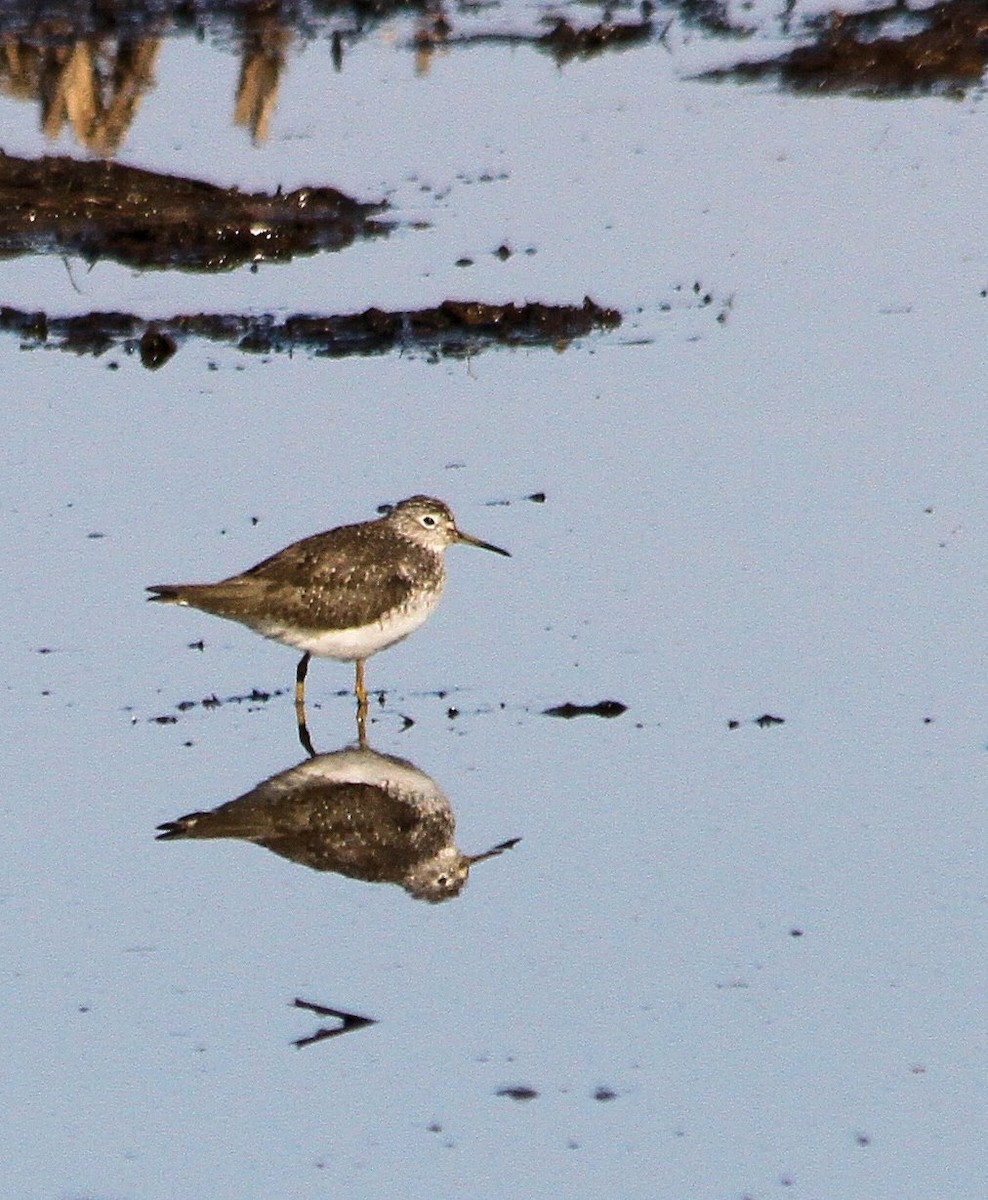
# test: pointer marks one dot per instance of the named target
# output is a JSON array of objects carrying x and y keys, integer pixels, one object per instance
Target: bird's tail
[
  {"x": 166, "y": 593},
  {"x": 183, "y": 827}
]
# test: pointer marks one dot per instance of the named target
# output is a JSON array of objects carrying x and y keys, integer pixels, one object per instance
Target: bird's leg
[
  {"x": 303, "y": 733},
  {"x": 300, "y": 674},
  {"x": 303, "y": 728},
  {"x": 361, "y": 693}
]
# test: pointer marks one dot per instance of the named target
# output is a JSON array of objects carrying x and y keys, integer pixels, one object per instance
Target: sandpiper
[{"x": 344, "y": 594}]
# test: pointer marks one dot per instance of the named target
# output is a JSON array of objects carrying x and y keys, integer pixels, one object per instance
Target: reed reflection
[
  {"x": 93, "y": 85},
  {"x": 265, "y": 43},
  {"x": 89, "y": 65},
  {"x": 361, "y": 814}
]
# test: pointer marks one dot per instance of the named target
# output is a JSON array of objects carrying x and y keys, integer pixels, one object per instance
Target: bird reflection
[{"x": 361, "y": 814}]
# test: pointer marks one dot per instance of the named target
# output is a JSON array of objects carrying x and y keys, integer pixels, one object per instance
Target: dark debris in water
[
  {"x": 519, "y": 1092},
  {"x": 348, "y": 1022},
  {"x": 156, "y": 348},
  {"x": 254, "y": 696},
  {"x": 603, "y": 708},
  {"x": 563, "y": 41},
  {"x": 892, "y": 51},
  {"x": 765, "y": 721},
  {"x": 143, "y": 219},
  {"x": 453, "y": 329},
  {"x": 534, "y": 497},
  {"x": 566, "y": 42}
]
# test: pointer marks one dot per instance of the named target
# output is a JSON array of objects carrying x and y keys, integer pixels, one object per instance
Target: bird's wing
[{"x": 319, "y": 582}]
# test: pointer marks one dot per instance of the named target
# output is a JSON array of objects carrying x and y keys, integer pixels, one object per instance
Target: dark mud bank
[
  {"x": 143, "y": 219},
  {"x": 455, "y": 328}
]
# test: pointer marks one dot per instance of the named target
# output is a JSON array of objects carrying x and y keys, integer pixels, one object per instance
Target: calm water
[{"x": 729, "y": 962}]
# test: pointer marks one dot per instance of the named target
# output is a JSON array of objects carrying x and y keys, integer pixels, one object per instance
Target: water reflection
[
  {"x": 94, "y": 83},
  {"x": 93, "y": 86},
  {"x": 88, "y": 67},
  {"x": 361, "y": 814},
  {"x": 91, "y": 74},
  {"x": 89, "y": 71},
  {"x": 889, "y": 51},
  {"x": 265, "y": 42}
]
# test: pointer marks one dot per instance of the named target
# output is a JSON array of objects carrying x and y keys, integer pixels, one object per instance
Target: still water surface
[{"x": 728, "y": 961}]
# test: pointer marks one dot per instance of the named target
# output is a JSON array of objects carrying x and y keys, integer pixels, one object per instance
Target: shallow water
[{"x": 729, "y": 961}]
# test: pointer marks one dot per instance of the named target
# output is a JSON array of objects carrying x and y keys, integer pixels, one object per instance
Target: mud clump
[
  {"x": 603, "y": 708},
  {"x": 143, "y": 219},
  {"x": 455, "y": 328}
]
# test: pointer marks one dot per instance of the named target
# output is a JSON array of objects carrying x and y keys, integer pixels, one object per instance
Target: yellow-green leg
[
  {"x": 303, "y": 728},
  {"x": 361, "y": 693},
  {"x": 300, "y": 673}
]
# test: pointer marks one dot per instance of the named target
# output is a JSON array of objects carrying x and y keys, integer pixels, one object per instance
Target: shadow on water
[{"x": 355, "y": 812}]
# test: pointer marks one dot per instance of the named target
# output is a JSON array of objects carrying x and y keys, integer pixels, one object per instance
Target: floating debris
[
  {"x": 254, "y": 696},
  {"x": 349, "y": 1021},
  {"x": 603, "y": 708},
  {"x": 517, "y": 1092},
  {"x": 563, "y": 41}
]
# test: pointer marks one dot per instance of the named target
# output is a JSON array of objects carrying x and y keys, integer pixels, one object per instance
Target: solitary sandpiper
[{"x": 343, "y": 594}]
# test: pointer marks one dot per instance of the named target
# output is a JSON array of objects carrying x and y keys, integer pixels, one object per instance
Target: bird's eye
[{"x": 428, "y": 521}]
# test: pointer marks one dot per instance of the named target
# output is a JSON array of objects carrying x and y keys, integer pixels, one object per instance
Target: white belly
[
  {"x": 392, "y": 775},
  {"x": 351, "y": 644}
]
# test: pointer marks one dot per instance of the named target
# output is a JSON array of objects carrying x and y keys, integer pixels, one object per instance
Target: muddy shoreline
[
  {"x": 453, "y": 329},
  {"x": 149, "y": 220}
]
